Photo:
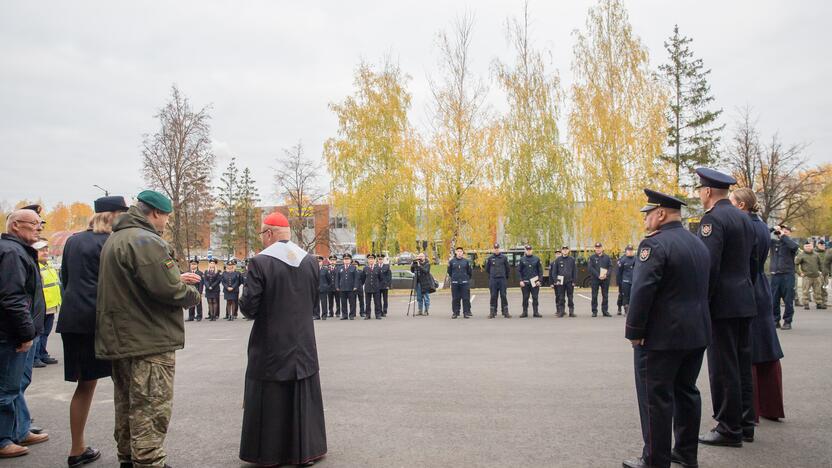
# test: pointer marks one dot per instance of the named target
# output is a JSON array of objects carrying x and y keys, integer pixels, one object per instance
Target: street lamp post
[{"x": 106, "y": 193}]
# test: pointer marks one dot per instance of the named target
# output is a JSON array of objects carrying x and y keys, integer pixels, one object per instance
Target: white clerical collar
[{"x": 287, "y": 252}]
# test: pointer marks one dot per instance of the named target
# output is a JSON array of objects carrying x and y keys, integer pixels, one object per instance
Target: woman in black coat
[
  {"x": 231, "y": 281},
  {"x": 76, "y": 322},
  {"x": 212, "y": 279},
  {"x": 767, "y": 375}
]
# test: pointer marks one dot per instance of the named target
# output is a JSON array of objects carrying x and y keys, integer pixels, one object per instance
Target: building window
[{"x": 338, "y": 222}]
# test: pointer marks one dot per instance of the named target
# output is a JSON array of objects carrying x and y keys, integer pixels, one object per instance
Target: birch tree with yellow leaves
[
  {"x": 538, "y": 170},
  {"x": 616, "y": 126},
  {"x": 371, "y": 160},
  {"x": 465, "y": 204}
]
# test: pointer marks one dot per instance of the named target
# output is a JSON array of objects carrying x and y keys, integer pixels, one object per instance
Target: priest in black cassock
[{"x": 283, "y": 417}]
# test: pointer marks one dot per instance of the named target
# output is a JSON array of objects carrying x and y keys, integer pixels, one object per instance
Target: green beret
[{"x": 156, "y": 200}]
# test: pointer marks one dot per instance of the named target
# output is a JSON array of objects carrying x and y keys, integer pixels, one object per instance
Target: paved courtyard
[{"x": 436, "y": 392}]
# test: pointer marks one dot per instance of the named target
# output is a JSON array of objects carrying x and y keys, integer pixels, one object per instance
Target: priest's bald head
[{"x": 275, "y": 228}]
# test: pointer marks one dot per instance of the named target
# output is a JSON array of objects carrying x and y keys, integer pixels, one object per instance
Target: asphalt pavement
[{"x": 435, "y": 392}]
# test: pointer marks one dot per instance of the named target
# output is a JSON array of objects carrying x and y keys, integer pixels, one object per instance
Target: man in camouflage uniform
[
  {"x": 808, "y": 268},
  {"x": 139, "y": 325},
  {"x": 825, "y": 264}
]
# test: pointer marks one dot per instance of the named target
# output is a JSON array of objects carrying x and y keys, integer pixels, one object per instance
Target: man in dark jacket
[
  {"x": 334, "y": 303},
  {"x": 599, "y": 272},
  {"x": 371, "y": 279},
  {"x": 729, "y": 236},
  {"x": 324, "y": 285},
  {"x": 139, "y": 326},
  {"x": 423, "y": 283},
  {"x": 283, "y": 416},
  {"x": 498, "y": 270},
  {"x": 22, "y": 311},
  {"x": 781, "y": 266},
  {"x": 194, "y": 265},
  {"x": 530, "y": 271},
  {"x": 563, "y": 273},
  {"x": 386, "y": 282},
  {"x": 460, "y": 272},
  {"x": 669, "y": 327},
  {"x": 624, "y": 277},
  {"x": 347, "y": 284}
]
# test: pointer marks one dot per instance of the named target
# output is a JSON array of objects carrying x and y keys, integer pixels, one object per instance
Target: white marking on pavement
[
  {"x": 587, "y": 298},
  {"x": 473, "y": 297}
]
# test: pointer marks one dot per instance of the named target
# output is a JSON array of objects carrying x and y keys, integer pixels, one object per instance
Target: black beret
[{"x": 111, "y": 203}]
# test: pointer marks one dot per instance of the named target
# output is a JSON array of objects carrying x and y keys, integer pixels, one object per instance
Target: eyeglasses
[
  {"x": 265, "y": 231},
  {"x": 33, "y": 223}
]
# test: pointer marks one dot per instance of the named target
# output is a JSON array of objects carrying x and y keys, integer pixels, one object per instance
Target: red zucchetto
[{"x": 276, "y": 219}]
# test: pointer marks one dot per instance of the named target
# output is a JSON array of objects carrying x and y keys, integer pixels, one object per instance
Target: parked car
[
  {"x": 405, "y": 258},
  {"x": 402, "y": 279},
  {"x": 359, "y": 259}
]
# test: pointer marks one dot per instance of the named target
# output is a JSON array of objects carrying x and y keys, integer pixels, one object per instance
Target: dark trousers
[
  {"x": 782, "y": 288},
  {"x": 729, "y": 369},
  {"x": 195, "y": 309},
  {"x": 625, "y": 293},
  {"x": 360, "y": 293},
  {"x": 320, "y": 310},
  {"x": 334, "y": 303},
  {"x": 383, "y": 293},
  {"x": 347, "y": 304},
  {"x": 528, "y": 290},
  {"x": 497, "y": 286},
  {"x": 48, "y": 321},
  {"x": 668, "y": 402},
  {"x": 461, "y": 295},
  {"x": 605, "y": 295},
  {"x": 213, "y": 308},
  {"x": 562, "y": 293},
  {"x": 372, "y": 300}
]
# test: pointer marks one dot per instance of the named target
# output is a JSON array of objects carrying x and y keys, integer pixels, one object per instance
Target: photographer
[
  {"x": 423, "y": 283},
  {"x": 783, "y": 250}
]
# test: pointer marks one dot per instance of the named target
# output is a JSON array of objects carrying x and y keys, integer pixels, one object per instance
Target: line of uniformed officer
[
  {"x": 563, "y": 273},
  {"x": 624, "y": 278},
  {"x": 498, "y": 269},
  {"x": 460, "y": 272},
  {"x": 531, "y": 275}
]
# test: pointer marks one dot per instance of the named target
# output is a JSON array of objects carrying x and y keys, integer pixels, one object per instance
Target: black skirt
[
  {"x": 80, "y": 363},
  {"x": 283, "y": 422}
]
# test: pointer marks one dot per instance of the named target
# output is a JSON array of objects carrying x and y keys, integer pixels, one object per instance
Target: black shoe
[
  {"x": 367, "y": 317},
  {"x": 594, "y": 314},
  {"x": 90, "y": 455},
  {"x": 467, "y": 316},
  {"x": 748, "y": 435},
  {"x": 537, "y": 315},
  {"x": 315, "y": 318},
  {"x": 820, "y": 306},
  {"x": 378, "y": 317},
  {"x": 635, "y": 463},
  {"x": 455, "y": 316},
  {"x": 619, "y": 313},
  {"x": 806, "y": 307},
  {"x": 777, "y": 324},
  {"x": 126, "y": 464},
  {"x": 35, "y": 429},
  {"x": 506, "y": 315},
  {"x": 571, "y": 314},
  {"x": 189, "y": 320},
  {"x": 606, "y": 314},
  {"x": 523, "y": 315},
  {"x": 787, "y": 326},
  {"x": 715, "y": 438},
  {"x": 49, "y": 360},
  {"x": 38, "y": 363},
  {"x": 323, "y": 318},
  {"x": 352, "y": 318},
  {"x": 344, "y": 318},
  {"x": 676, "y": 458}
]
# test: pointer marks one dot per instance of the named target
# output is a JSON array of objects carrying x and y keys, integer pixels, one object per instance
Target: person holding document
[
  {"x": 563, "y": 273},
  {"x": 531, "y": 273},
  {"x": 599, "y": 268}
]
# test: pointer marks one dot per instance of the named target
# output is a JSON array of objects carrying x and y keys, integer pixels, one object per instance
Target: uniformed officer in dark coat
[
  {"x": 334, "y": 300},
  {"x": 213, "y": 284},
  {"x": 347, "y": 281},
  {"x": 371, "y": 279},
  {"x": 530, "y": 271},
  {"x": 563, "y": 273},
  {"x": 460, "y": 272},
  {"x": 669, "y": 327},
  {"x": 498, "y": 270},
  {"x": 729, "y": 236},
  {"x": 231, "y": 282},
  {"x": 194, "y": 265},
  {"x": 386, "y": 282},
  {"x": 624, "y": 277},
  {"x": 324, "y": 285},
  {"x": 597, "y": 262},
  {"x": 360, "y": 291}
]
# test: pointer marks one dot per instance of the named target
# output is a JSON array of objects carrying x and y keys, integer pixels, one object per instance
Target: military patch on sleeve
[
  {"x": 706, "y": 230},
  {"x": 168, "y": 264},
  {"x": 644, "y": 253}
]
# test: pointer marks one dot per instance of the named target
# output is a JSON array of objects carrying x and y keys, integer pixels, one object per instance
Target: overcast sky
[{"x": 81, "y": 81}]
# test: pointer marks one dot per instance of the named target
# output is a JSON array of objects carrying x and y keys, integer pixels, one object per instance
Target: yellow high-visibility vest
[{"x": 51, "y": 285}]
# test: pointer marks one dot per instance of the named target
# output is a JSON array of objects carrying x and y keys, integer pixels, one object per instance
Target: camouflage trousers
[
  {"x": 143, "y": 394},
  {"x": 824, "y": 289},
  {"x": 811, "y": 284}
]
